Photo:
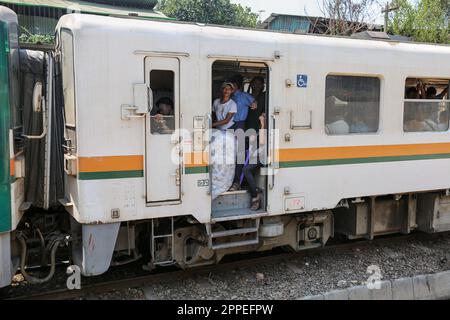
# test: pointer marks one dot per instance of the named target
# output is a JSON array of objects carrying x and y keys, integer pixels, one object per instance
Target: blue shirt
[
  {"x": 243, "y": 101},
  {"x": 359, "y": 127}
]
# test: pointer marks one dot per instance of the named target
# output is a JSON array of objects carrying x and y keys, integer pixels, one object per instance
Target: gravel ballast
[{"x": 307, "y": 275}]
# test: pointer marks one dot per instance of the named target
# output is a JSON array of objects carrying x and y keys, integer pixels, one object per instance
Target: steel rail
[{"x": 167, "y": 276}]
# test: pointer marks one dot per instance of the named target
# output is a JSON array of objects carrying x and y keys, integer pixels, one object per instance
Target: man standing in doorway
[
  {"x": 224, "y": 109},
  {"x": 257, "y": 85},
  {"x": 244, "y": 102}
]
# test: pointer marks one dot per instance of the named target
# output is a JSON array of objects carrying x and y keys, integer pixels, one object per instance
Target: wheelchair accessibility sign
[{"x": 302, "y": 81}]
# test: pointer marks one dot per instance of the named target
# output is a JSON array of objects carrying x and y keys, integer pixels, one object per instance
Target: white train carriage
[
  {"x": 344, "y": 154},
  {"x": 358, "y": 144}
]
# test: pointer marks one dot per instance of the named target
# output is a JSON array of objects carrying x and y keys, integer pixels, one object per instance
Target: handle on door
[
  {"x": 210, "y": 190},
  {"x": 273, "y": 151},
  {"x": 303, "y": 127},
  {"x": 177, "y": 176}
]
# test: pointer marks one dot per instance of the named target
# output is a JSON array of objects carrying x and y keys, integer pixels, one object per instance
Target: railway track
[{"x": 163, "y": 275}]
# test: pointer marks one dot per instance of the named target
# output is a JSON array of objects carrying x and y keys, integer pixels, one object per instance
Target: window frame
[
  {"x": 173, "y": 83},
  {"x": 380, "y": 105},
  {"x": 415, "y": 100},
  {"x": 61, "y": 44}
]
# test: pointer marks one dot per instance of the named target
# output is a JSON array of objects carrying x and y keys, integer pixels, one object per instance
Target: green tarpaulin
[{"x": 91, "y": 7}]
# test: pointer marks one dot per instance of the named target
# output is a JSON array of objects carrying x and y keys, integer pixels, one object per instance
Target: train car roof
[{"x": 100, "y": 24}]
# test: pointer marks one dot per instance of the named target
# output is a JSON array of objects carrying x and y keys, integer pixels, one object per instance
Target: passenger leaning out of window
[{"x": 224, "y": 109}]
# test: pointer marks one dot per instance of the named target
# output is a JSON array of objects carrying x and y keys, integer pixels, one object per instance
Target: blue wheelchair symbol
[{"x": 302, "y": 81}]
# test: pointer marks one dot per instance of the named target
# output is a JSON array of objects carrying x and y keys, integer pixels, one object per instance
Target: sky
[{"x": 295, "y": 7}]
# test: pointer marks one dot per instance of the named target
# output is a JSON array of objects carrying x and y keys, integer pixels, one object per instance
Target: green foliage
[
  {"x": 30, "y": 38},
  {"x": 424, "y": 21},
  {"x": 221, "y": 12}
]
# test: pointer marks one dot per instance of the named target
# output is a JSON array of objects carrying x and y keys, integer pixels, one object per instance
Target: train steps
[
  {"x": 234, "y": 205},
  {"x": 241, "y": 234}
]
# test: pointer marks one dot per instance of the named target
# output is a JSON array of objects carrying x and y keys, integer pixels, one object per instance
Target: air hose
[{"x": 53, "y": 247}]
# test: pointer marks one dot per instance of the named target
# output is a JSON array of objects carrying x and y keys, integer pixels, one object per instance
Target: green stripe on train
[
  {"x": 197, "y": 170},
  {"x": 336, "y": 162},
  {"x": 129, "y": 174},
  {"x": 5, "y": 183},
  {"x": 110, "y": 175}
]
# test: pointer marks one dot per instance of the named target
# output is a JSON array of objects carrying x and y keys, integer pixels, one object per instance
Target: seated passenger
[
  {"x": 358, "y": 121},
  {"x": 416, "y": 119},
  {"x": 443, "y": 121},
  {"x": 257, "y": 160},
  {"x": 335, "y": 117},
  {"x": 224, "y": 109},
  {"x": 164, "y": 121}
]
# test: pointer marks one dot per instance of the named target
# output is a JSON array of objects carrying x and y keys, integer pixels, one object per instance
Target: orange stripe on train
[
  {"x": 133, "y": 163},
  {"x": 311, "y": 154},
  {"x": 196, "y": 159},
  {"x": 110, "y": 164},
  {"x": 12, "y": 167},
  {"x": 201, "y": 159}
]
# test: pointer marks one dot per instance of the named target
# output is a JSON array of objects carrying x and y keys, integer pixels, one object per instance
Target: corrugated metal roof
[{"x": 88, "y": 7}]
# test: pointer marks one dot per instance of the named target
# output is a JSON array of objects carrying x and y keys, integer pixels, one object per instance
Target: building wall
[{"x": 290, "y": 24}]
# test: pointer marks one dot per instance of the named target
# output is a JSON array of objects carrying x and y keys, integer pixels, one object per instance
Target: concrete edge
[{"x": 422, "y": 287}]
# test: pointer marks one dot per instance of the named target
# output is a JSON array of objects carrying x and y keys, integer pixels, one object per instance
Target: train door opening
[
  {"x": 163, "y": 174},
  {"x": 239, "y": 148}
]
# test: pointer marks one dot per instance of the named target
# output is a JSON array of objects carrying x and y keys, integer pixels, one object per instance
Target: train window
[
  {"x": 68, "y": 77},
  {"x": 352, "y": 105},
  {"x": 427, "y": 105},
  {"x": 163, "y": 112}
]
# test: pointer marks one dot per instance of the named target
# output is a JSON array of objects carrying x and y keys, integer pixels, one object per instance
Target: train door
[
  {"x": 239, "y": 192},
  {"x": 163, "y": 174}
]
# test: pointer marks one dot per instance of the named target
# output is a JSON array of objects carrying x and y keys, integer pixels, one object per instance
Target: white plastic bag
[{"x": 223, "y": 157}]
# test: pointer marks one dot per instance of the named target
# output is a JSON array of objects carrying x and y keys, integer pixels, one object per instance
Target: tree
[
  {"x": 424, "y": 21},
  {"x": 345, "y": 17},
  {"x": 221, "y": 12}
]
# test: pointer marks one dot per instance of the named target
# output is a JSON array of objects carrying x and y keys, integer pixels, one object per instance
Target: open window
[
  {"x": 255, "y": 82},
  {"x": 163, "y": 110},
  {"x": 352, "y": 105},
  {"x": 427, "y": 105}
]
